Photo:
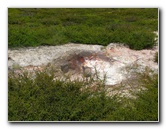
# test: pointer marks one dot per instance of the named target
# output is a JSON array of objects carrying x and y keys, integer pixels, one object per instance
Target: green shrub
[
  {"x": 42, "y": 99},
  {"x": 35, "y": 27},
  {"x": 140, "y": 40}
]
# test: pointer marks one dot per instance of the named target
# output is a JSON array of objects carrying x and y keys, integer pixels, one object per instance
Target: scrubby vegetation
[
  {"x": 42, "y": 99},
  {"x": 34, "y": 27}
]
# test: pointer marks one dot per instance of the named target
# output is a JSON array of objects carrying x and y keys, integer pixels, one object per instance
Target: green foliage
[
  {"x": 42, "y": 99},
  {"x": 143, "y": 108},
  {"x": 34, "y": 27}
]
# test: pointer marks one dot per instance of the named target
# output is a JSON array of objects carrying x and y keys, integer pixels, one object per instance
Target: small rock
[
  {"x": 86, "y": 71},
  {"x": 65, "y": 68}
]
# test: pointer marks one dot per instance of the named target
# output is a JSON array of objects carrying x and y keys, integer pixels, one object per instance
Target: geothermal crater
[{"x": 114, "y": 63}]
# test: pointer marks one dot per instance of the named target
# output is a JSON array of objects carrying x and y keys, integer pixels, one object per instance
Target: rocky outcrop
[
  {"x": 45, "y": 54},
  {"x": 114, "y": 63}
]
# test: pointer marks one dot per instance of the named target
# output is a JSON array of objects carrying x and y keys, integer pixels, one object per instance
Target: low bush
[
  {"x": 35, "y": 27},
  {"x": 42, "y": 99}
]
